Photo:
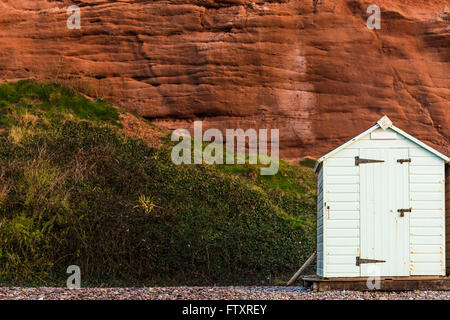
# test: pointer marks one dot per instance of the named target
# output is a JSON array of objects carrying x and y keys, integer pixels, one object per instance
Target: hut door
[{"x": 384, "y": 232}]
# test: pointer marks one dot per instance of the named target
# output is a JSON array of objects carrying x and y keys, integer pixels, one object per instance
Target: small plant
[{"x": 146, "y": 203}]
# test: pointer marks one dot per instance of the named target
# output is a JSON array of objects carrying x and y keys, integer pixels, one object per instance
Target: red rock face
[{"x": 310, "y": 68}]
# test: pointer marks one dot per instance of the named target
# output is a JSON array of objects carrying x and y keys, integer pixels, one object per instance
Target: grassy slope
[{"x": 74, "y": 189}]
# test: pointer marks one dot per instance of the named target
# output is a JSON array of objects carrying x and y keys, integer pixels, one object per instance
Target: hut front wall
[{"x": 341, "y": 223}]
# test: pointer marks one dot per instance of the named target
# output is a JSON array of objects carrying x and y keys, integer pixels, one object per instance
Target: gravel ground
[{"x": 209, "y": 293}]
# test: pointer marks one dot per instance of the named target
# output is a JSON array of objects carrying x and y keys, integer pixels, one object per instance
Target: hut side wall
[{"x": 320, "y": 223}]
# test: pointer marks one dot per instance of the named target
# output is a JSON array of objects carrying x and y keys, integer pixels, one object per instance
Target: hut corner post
[{"x": 447, "y": 218}]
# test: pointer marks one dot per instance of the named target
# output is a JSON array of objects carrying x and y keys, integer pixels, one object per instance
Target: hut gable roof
[{"x": 384, "y": 123}]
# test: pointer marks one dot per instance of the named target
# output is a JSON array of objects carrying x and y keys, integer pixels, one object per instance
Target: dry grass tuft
[
  {"x": 25, "y": 122},
  {"x": 28, "y": 120},
  {"x": 16, "y": 135},
  {"x": 44, "y": 182}
]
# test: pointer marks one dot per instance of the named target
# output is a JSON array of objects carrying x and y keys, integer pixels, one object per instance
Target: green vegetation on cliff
[{"x": 75, "y": 189}]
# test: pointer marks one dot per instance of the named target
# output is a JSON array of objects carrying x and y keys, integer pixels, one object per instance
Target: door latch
[
  {"x": 359, "y": 161},
  {"x": 327, "y": 208},
  {"x": 401, "y": 161},
  {"x": 360, "y": 261},
  {"x": 402, "y": 211}
]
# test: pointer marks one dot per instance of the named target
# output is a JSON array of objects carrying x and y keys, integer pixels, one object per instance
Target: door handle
[{"x": 402, "y": 211}]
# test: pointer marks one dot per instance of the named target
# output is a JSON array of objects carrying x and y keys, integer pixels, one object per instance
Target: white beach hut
[{"x": 381, "y": 207}]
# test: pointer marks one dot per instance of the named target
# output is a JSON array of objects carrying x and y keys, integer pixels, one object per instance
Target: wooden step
[{"x": 386, "y": 283}]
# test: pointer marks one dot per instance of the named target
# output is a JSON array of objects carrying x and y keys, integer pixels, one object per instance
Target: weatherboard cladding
[
  {"x": 320, "y": 223},
  {"x": 339, "y": 188}
]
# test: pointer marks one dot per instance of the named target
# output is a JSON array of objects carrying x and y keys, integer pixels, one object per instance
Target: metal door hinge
[
  {"x": 360, "y": 261},
  {"x": 359, "y": 161},
  {"x": 402, "y": 211},
  {"x": 401, "y": 161}
]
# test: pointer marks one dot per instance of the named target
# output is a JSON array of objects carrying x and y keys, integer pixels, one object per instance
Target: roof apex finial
[{"x": 385, "y": 122}]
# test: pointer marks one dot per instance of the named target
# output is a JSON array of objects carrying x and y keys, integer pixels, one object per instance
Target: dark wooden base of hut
[{"x": 386, "y": 284}]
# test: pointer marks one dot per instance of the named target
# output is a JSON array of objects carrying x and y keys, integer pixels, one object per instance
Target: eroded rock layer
[{"x": 310, "y": 68}]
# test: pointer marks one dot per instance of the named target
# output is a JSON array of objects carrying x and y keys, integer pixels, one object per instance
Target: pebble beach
[{"x": 210, "y": 293}]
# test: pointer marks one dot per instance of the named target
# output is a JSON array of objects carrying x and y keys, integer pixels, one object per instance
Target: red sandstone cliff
[{"x": 311, "y": 68}]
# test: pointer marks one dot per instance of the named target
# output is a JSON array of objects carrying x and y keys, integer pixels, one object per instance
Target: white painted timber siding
[
  {"x": 427, "y": 222},
  {"x": 320, "y": 223},
  {"x": 341, "y": 202},
  {"x": 339, "y": 227}
]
